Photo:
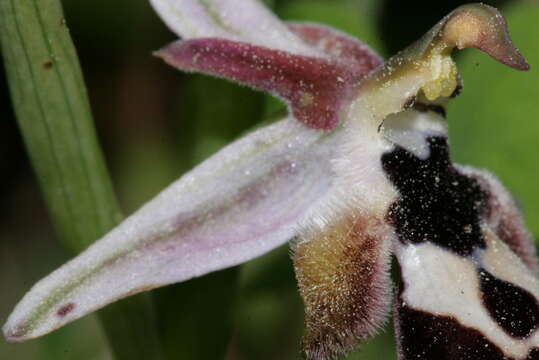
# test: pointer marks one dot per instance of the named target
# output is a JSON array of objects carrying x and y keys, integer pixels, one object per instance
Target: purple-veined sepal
[{"x": 242, "y": 202}]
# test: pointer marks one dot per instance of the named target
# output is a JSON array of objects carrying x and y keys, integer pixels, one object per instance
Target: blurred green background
[{"x": 155, "y": 123}]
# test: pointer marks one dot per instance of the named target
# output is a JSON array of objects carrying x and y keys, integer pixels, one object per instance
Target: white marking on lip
[
  {"x": 440, "y": 282},
  {"x": 411, "y": 128}
]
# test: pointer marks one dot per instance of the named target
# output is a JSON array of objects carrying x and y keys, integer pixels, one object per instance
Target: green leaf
[
  {"x": 494, "y": 124},
  {"x": 52, "y": 109},
  {"x": 54, "y": 116}
]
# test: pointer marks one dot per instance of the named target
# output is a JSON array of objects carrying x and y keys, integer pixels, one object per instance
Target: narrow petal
[
  {"x": 250, "y": 22},
  {"x": 315, "y": 88},
  {"x": 343, "y": 278},
  {"x": 242, "y": 202}
]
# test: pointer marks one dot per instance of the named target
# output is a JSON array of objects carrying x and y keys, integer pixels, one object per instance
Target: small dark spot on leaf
[
  {"x": 66, "y": 309},
  {"x": 63, "y": 22},
  {"x": 47, "y": 64}
]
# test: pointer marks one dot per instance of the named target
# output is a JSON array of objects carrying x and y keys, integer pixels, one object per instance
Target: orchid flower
[{"x": 359, "y": 170}]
